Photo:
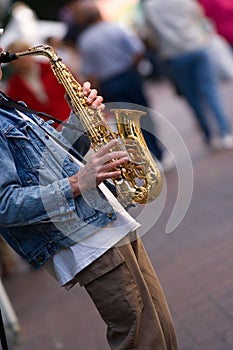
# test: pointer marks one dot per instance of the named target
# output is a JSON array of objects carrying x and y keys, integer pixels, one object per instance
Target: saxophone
[{"x": 140, "y": 180}]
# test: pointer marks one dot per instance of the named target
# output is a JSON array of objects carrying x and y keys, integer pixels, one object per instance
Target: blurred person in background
[
  {"x": 109, "y": 60},
  {"x": 33, "y": 82},
  {"x": 221, "y": 13},
  {"x": 181, "y": 41},
  {"x": 69, "y": 14}
]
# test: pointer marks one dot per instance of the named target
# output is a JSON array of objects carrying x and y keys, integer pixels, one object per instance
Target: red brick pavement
[{"x": 194, "y": 262}]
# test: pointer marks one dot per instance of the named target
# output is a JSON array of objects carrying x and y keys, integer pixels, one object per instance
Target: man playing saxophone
[{"x": 77, "y": 229}]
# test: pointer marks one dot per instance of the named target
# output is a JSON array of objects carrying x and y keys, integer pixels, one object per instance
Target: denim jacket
[{"x": 38, "y": 214}]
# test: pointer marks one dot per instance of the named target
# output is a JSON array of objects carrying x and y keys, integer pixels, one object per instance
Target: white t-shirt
[
  {"x": 69, "y": 261},
  {"x": 177, "y": 26}
]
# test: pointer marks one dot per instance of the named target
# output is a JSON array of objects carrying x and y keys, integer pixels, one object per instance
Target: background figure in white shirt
[{"x": 181, "y": 39}]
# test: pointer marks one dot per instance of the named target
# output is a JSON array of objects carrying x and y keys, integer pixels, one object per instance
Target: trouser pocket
[{"x": 114, "y": 291}]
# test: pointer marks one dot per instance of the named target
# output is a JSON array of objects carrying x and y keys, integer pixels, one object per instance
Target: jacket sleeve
[{"x": 33, "y": 204}]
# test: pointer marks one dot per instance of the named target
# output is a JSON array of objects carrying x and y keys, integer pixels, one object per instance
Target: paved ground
[{"x": 194, "y": 262}]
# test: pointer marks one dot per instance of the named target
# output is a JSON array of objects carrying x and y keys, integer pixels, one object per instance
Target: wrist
[{"x": 74, "y": 184}]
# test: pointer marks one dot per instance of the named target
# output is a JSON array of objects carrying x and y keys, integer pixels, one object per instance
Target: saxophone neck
[{"x": 39, "y": 50}]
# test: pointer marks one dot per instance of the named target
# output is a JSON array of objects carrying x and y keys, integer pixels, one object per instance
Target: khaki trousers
[{"x": 126, "y": 291}]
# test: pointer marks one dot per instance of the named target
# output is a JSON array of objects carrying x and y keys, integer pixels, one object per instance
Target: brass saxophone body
[{"x": 140, "y": 180}]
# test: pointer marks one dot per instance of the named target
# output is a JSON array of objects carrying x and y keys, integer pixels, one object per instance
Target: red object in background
[
  {"x": 221, "y": 12},
  {"x": 55, "y": 105}
]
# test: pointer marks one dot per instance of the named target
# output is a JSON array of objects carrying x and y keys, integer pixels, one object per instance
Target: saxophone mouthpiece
[{"x": 6, "y": 57}]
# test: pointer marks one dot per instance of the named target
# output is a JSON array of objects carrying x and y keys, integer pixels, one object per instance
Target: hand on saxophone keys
[
  {"x": 92, "y": 96},
  {"x": 102, "y": 165}
]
